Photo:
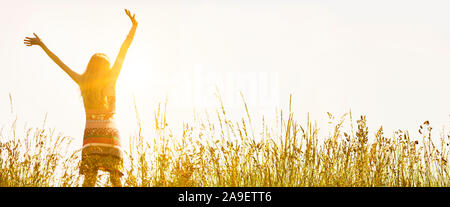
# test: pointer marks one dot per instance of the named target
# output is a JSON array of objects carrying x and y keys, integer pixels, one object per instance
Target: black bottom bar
[{"x": 227, "y": 197}]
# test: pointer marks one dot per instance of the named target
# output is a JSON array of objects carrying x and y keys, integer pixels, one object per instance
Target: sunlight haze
[{"x": 389, "y": 60}]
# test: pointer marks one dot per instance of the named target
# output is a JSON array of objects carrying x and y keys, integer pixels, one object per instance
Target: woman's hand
[
  {"x": 133, "y": 20},
  {"x": 30, "y": 41},
  {"x": 117, "y": 67}
]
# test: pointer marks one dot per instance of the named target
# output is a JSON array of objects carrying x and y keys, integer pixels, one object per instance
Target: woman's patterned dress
[{"x": 101, "y": 143}]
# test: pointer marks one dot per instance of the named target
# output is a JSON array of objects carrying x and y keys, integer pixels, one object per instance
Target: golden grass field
[{"x": 217, "y": 151}]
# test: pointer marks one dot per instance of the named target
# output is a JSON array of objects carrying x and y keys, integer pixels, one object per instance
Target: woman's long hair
[{"x": 94, "y": 81}]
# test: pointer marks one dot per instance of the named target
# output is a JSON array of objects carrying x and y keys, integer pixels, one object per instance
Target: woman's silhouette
[{"x": 101, "y": 142}]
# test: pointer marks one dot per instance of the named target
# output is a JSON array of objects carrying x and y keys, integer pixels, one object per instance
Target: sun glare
[{"x": 258, "y": 94}]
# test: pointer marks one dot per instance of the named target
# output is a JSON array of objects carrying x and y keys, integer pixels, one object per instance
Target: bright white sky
[{"x": 387, "y": 59}]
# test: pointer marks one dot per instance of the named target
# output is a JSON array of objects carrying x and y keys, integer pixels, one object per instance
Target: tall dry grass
[{"x": 217, "y": 151}]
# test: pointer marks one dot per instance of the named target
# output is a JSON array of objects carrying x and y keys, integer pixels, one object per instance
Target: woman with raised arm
[{"x": 101, "y": 142}]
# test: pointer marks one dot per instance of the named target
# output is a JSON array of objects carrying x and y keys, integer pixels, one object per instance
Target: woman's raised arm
[
  {"x": 30, "y": 41},
  {"x": 125, "y": 45}
]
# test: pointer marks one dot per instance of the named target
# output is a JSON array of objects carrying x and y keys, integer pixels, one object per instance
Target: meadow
[{"x": 216, "y": 151}]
